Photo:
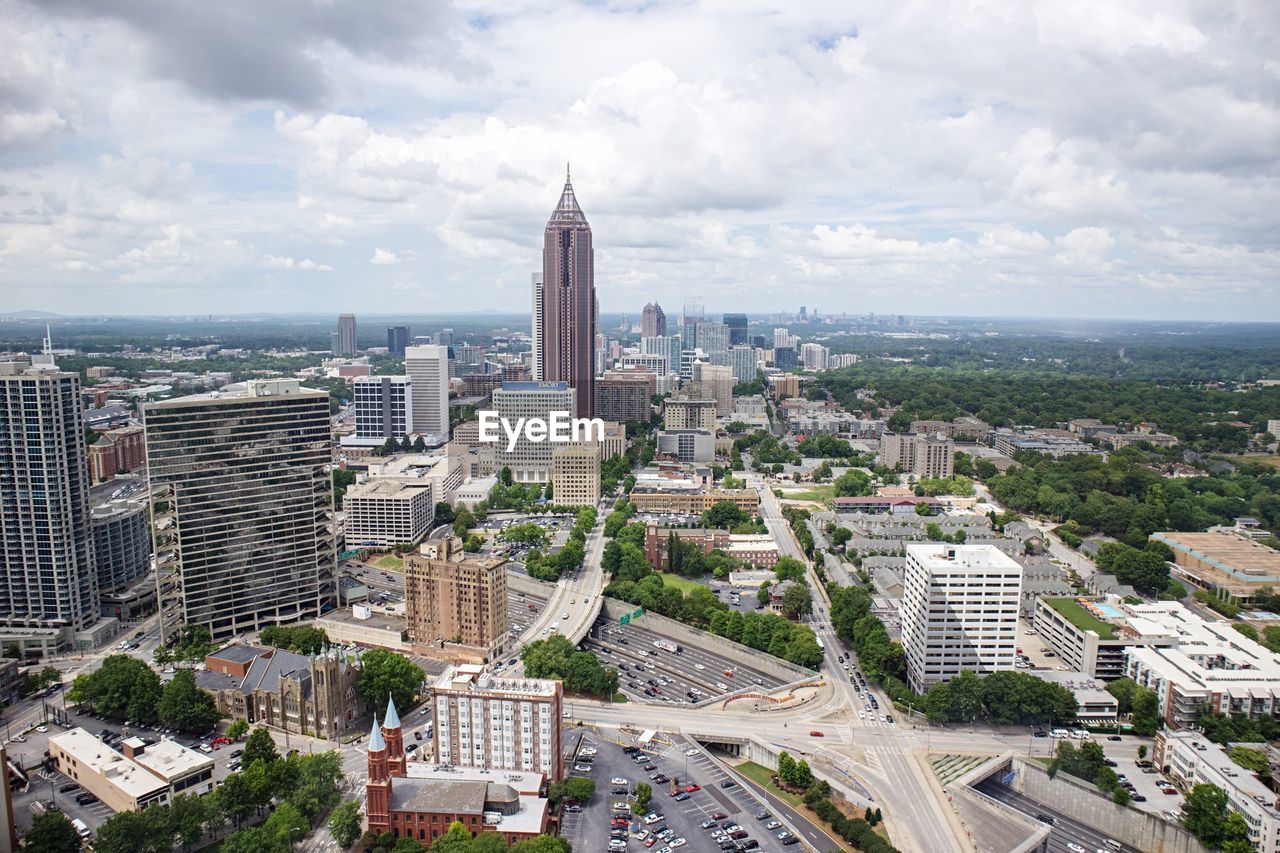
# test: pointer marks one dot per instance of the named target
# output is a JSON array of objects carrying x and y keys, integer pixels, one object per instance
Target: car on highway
[
  {"x": 816, "y": 733},
  {"x": 1074, "y": 848}
]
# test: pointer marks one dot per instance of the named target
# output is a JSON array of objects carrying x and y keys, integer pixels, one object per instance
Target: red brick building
[
  {"x": 118, "y": 451},
  {"x": 421, "y": 801}
]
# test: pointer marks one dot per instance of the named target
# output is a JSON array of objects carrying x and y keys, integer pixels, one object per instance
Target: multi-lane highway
[
  {"x": 573, "y": 606},
  {"x": 699, "y": 671},
  {"x": 919, "y": 818}
]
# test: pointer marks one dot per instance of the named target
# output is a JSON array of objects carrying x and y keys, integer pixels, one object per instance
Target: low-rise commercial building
[
  {"x": 688, "y": 445},
  {"x": 757, "y": 550},
  {"x": 359, "y": 625},
  {"x": 139, "y": 776},
  {"x": 682, "y": 498},
  {"x": 1231, "y": 567},
  {"x": 1192, "y": 759},
  {"x": 383, "y": 512}
]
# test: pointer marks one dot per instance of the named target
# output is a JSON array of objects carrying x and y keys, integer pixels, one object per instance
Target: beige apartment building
[
  {"x": 931, "y": 455},
  {"x": 682, "y": 413},
  {"x": 575, "y": 474},
  {"x": 455, "y": 603},
  {"x": 483, "y": 720}
]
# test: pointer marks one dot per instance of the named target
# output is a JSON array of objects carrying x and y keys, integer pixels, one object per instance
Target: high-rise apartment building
[
  {"x": 660, "y": 365},
  {"x": 346, "y": 335},
  {"x": 743, "y": 363},
  {"x": 539, "y": 307},
  {"x": 483, "y": 720},
  {"x": 575, "y": 474},
  {"x": 681, "y": 413},
  {"x": 959, "y": 611},
  {"x": 737, "y": 324},
  {"x": 781, "y": 338},
  {"x": 455, "y": 603},
  {"x": 713, "y": 382},
  {"x": 383, "y": 407},
  {"x": 48, "y": 582},
  {"x": 713, "y": 338},
  {"x": 121, "y": 542},
  {"x": 653, "y": 322},
  {"x": 785, "y": 358},
  {"x": 625, "y": 395},
  {"x": 814, "y": 356},
  {"x": 427, "y": 367},
  {"x": 529, "y": 461},
  {"x": 242, "y": 528},
  {"x": 397, "y": 339},
  {"x": 927, "y": 455},
  {"x": 569, "y": 310},
  {"x": 668, "y": 347}
]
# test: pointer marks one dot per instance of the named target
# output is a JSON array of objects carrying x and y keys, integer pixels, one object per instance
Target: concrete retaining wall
[
  {"x": 685, "y": 635},
  {"x": 1085, "y": 803},
  {"x": 528, "y": 585}
]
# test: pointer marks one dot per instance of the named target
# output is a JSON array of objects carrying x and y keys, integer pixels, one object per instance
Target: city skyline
[{"x": 1120, "y": 167}]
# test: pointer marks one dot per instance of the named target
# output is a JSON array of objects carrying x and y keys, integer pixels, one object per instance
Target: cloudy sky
[{"x": 1018, "y": 157}]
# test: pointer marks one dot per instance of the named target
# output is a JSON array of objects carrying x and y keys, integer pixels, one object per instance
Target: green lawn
[
  {"x": 391, "y": 562},
  {"x": 821, "y": 494},
  {"x": 1081, "y": 618},
  {"x": 683, "y": 584},
  {"x": 763, "y": 777}
]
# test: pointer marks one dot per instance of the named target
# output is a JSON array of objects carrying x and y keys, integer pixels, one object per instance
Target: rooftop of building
[
  {"x": 382, "y": 488},
  {"x": 1084, "y": 616},
  {"x": 476, "y": 677},
  {"x": 240, "y": 391},
  {"x": 940, "y": 555},
  {"x": 133, "y": 777},
  {"x": 1235, "y": 557},
  {"x": 1209, "y": 655}
]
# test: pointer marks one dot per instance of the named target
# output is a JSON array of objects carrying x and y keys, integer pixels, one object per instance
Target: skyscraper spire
[{"x": 569, "y": 308}]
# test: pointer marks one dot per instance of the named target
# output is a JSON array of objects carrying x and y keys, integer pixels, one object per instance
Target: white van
[
  {"x": 1059, "y": 733},
  {"x": 1080, "y": 734},
  {"x": 82, "y": 828}
]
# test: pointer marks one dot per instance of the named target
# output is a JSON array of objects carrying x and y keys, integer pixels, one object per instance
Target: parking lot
[
  {"x": 670, "y": 677},
  {"x": 687, "y": 819},
  {"x": 45, "y": 785}
]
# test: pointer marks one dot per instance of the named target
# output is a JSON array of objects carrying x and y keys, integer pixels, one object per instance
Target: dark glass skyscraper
[
  {"x": 569, "y": 302},
  {"x": 737, "y": 324}
]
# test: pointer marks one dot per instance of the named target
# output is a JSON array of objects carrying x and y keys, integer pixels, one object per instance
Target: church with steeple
[{"x": 414, "y": 799}]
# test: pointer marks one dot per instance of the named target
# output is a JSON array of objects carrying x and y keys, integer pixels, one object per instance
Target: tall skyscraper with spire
[{"x": 569, "y": 310}]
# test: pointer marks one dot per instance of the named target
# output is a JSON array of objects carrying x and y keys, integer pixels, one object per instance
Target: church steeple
[{"x": 394, "y": 739}]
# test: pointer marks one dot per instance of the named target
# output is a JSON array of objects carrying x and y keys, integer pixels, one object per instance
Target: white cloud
[
  {"x": 991, "y": 158},
  {"x": 277, "y": 262}
]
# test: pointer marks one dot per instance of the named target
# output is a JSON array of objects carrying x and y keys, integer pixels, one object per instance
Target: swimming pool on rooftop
[{"x": 1108, "y": 610}]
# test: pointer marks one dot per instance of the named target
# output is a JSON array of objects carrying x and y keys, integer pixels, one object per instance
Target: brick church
[{"x": 418, "y": 800}]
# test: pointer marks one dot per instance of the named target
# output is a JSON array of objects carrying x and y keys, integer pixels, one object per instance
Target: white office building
[
  {"x": 959, "y": 611},
  {"x": 538, "y": 308},
  {"x": 384, "y": 512},
  {"x": 428, "y": 368}
]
